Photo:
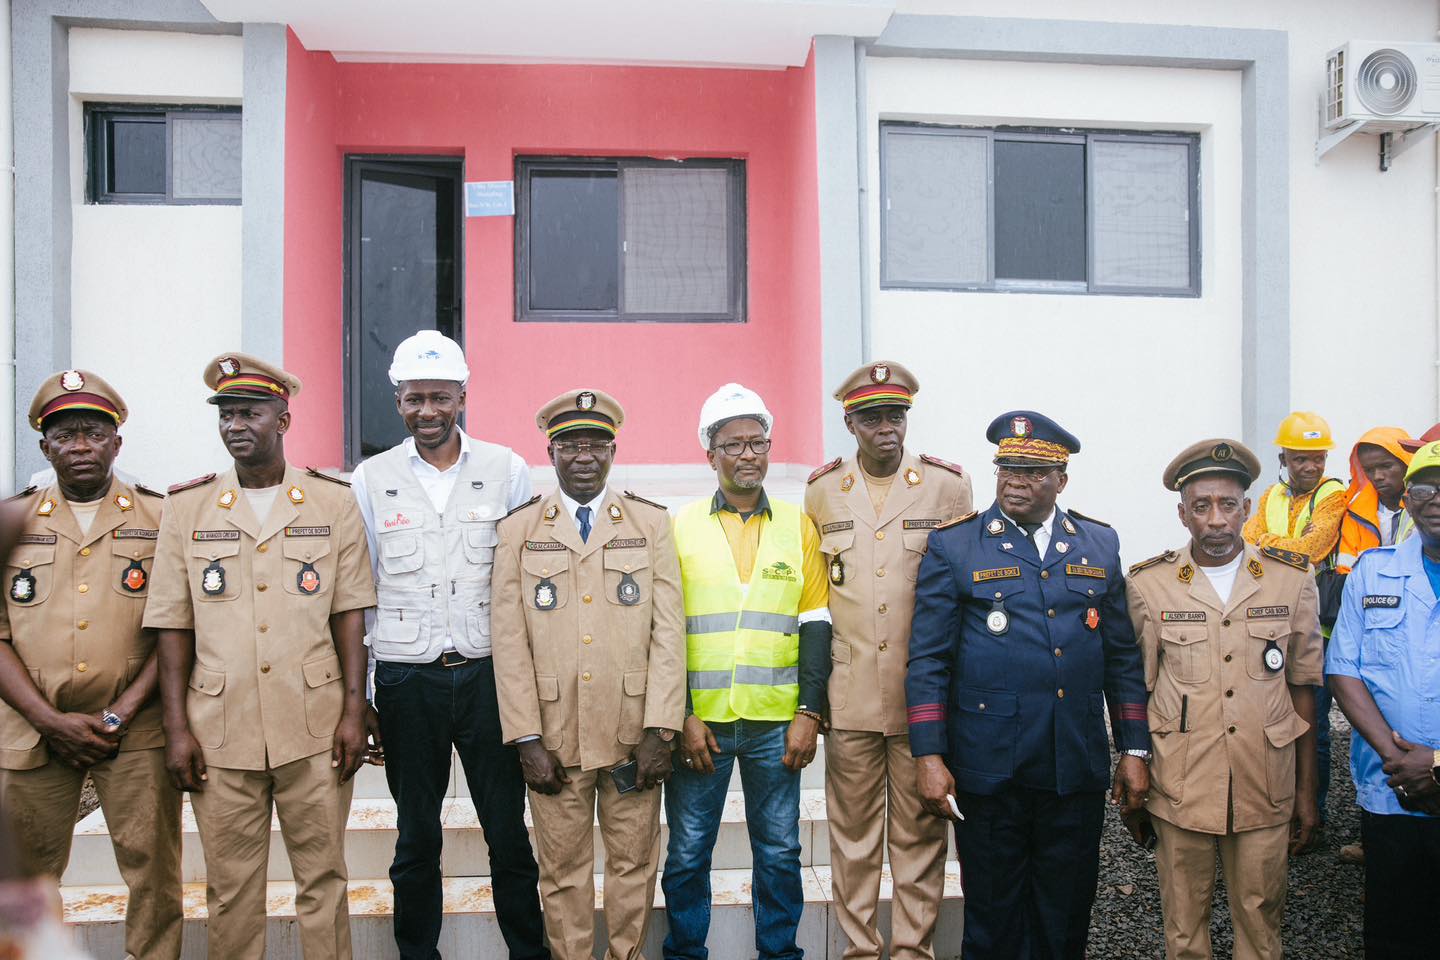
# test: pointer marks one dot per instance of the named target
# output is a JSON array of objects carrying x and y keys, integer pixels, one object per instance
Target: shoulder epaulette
[
  {"x": 21, "y": 495},
  {"x": 141, "y": 488},
  {"x": 1288, "y": 557},
  {"x": 1167, "y": 557},
  {"x": 312, "y": 472},
  {"x": 821, "y": 471},
  {"x": 957, "y": 521},
  {"x": 649, "y": 503},
  {"x": 188, "y": 484},
  {"x": 943, "y": 464},
  {"x": 1080, "y": 516},
  {"x": 528, "y": 503}
]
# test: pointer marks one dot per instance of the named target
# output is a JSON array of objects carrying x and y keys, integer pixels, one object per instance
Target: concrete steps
[{"x": 96, "y": 914}]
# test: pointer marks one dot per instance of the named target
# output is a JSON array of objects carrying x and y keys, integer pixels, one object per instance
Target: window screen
[
  {"x": 139, "y": 154},
  {"x": 574, "y": 240},
  {"x": 936, "y": 223},
  {"x": 1039, "y": 210},
  {"x": 1141, "y": 197}
]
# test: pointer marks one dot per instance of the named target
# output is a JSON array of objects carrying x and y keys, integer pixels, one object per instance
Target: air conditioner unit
[{"x": 1385, "y": 86}]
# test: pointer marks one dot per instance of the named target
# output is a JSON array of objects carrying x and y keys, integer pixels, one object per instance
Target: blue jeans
[
  {"x": 693, "y": 805},
  {"x": 1322, "y": 746}
]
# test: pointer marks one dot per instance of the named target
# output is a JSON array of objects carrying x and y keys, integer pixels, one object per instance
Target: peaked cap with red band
[
  {"x": 879, "y": 384},
  {"x": 76, "y": 390},
  {"x": 239, "y": 376}
]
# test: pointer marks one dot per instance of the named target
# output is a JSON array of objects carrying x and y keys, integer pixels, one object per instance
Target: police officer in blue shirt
[
  {"x": 1382, "y": 667},
  {"x": 1020, "y": 636}
]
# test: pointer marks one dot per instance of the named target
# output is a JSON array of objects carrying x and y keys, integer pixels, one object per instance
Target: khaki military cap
[
  {"x": 240, "y": 376},
  {"x": 580, "y": 410},
  {"x": 1217, "y": 455},
  {"x": 878, "y": 384},
  {"x": 71, "y": 390}
]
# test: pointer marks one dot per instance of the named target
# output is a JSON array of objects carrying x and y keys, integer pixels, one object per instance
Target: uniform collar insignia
[
  {"x": 1256, "y": 570},
  {"x": 551, "y": 512},
  {"x": 123, "y": 502},
  {"x": 296, "y": 495},
  {"x": 226, "y": 501},
  {"x": 615, "y": 513},
  {"x": 912, "y": 477},
  {"x": 995, "y": 527},
  {"x": 1186, "y": 574},
  {"x": 847, "y": 482},
  {"x": 46, "y": 508},
  {"x": 1069, "y": 527},
  {"x": 1062, "y": 547}
]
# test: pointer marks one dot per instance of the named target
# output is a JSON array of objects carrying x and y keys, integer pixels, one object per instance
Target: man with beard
[
  {"x": 1019, "y": 638},
  {"x": 590, "y": 660},
  {"x": 261, "y": 584},
  {"x": 1232, "y": 651},
  {"x": 430, "y": 507},
  {"x": 1381, "y": 666},
  {"x": 758, "y": 656},
  {"x": 874, "y": 512},
  {"x": 77, "y": 672}
]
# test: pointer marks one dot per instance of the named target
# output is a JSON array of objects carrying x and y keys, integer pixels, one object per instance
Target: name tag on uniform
[
  {"x": 133, "y": 533},
  {"x": 1080, "y": 570},
  {"x": 307, "y": 531},
  {"x": 1182, "y": 616},
  {"x": 1266, "y": 613},
  {"x": 204, "y": 536},
  {"x": 36, "y": 538},
  {"x": 838, "y": 526},
  {"x": 544, "y": 545},
  {"x": 920, "y": 524},
  {"x": 625, "y": 544},
  {"x": 1379, "y": 600},
  {"x": 999, "y": 573}
]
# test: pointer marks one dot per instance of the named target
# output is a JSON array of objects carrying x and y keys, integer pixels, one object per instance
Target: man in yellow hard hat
[{"x": 1302, "y": 513}]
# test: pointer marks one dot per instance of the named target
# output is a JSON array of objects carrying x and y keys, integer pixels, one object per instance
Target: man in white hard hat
[
  {"x": 430, "y": 507},
  {"x": 757, "y": 627}
]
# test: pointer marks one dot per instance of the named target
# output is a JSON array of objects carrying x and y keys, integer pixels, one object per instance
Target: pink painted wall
[{"x": 491, "y": 114}]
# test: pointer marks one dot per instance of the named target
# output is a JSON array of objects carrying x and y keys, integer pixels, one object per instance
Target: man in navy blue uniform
[{"x": 1020, "y": 636}]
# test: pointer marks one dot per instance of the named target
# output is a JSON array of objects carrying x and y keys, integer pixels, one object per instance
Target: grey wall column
[
  {"x": 837, "y": 146},
  {"x": 1262, "y": 57},
  {"x": 262, "y": 240}
]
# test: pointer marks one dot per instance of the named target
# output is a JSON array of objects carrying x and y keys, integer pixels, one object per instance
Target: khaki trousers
[
  {"x": 142, "y": 813},
  {"x": 871, "y": 799},
  {"x": 1255, "y": 865},
  {"x": 233, "y": 814},
  {"x": 565, "y": 846}
]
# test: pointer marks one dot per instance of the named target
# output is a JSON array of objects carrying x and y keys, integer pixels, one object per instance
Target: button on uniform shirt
[{"x": 1388, "y": 636}]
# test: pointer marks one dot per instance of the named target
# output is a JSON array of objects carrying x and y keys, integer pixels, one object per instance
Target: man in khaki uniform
[
  {"x": 588, "y": 621},
  {"x": 874, "y": 512},
  {"x": 1231, "y": 641},
  {"x": 77, "y": 672},
  {"x": 262, "y": 577}
]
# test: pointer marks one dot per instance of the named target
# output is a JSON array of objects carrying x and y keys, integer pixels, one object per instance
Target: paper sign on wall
[{"x": 490, "y": 198}]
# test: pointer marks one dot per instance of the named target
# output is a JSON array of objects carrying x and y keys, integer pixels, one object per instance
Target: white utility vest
[{"x": 433, "y": 569}]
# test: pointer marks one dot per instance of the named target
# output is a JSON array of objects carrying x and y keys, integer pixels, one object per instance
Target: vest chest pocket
[
  {"x": 215, "y": 570},
  {"x": 308, "y": 571},
  {"x": 545, "y": 579},
  {"x": 30, "y": 575},
  {"x": 479, "y": 540},
  {"x": 401, "y": 552},
  {"x": 1185, "y": 653},
  {"x": 839, "y": 563},
  {"x": 916, "y": 543},
  {"x": 130, "y": 565},
  {"x": 1384, "y": 632},
  {"x": 627, "y": 577}
]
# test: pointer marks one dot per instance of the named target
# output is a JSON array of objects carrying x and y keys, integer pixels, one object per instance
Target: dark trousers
[
  {"x": 1402, "y": 885},
  {"x": 1029, "y": 861},
  {"x": 424, "y": 710}
]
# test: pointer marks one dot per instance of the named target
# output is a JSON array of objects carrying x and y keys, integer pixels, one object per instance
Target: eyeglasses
[
  {"x": 734, "y": 448},
  {"x": 1031, "y": 475},
  {"x": 1421, "y": 492},
  {"x": 575, "y": 448}
]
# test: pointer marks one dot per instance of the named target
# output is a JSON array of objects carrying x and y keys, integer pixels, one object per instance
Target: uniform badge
[
  {"x": 847, "y": 482},
  {"x": 1274, "y": 657},
  {"x": 134, "y": 579},
  {"x": 1092, "y": 618},
  {"x": 879, "y": 373},
  {"x": 1222, "y": 452},
  {"x": 545, "y": 595},
  {"x": 628, "y": 593},
  {"x": 1186, "y": 574},
  {"x": 995, "y": 527},
  {"x": 837, "y": 571},
  {"x": 477, "y": 484},
  {"x": 615, "y": 513},
  {"x": 22, "y": 587},
  {"x": 1020, "y": 426},
  {"x": 997, "y": 621},
  {"x": 551, "y": 512},
  {"x": 229, "y": 366},
  {"x": 1062, "y": 547},
  {"x": 227, "y": 500},
  {"x": 72, "y": 380},
  {"x": 1007, "y": 545},
  {"x": 46, "y": 508},
  {"x": 585, "y": 401},
  {"x": 308, "y": 580},
  {"x": 212, "y": 580},
  {"x": 392, "y": 493},
  {"x": 912, "y": 477},
  {"x": 296, "y": 495},
  {"x": 1069, "y": 527},
  {"x": 1256, "y": 570},
  {"x": 123, "y": 502}
]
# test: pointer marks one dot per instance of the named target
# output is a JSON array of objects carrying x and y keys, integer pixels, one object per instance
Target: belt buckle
[{"x": 460, "y": 660}]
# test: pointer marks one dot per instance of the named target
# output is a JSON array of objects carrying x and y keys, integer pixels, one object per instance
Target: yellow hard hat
[{"x": 1303, "y": 430}]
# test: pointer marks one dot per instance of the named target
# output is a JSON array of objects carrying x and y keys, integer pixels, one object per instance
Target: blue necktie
[{"x": 583, "y": 515}]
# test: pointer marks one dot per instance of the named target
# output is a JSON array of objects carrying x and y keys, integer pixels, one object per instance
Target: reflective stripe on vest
[
  {"x": 742, "y": 644},
  {"x": 1277, "y": 507}
]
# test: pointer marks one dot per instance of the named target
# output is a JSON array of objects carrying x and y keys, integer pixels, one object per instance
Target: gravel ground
[
  {"x": 1323, "y": 912},
  {"x": 88, "y": 801}
]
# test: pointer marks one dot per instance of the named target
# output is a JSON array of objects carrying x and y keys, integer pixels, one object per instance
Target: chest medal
[
  {"x": 308, "y": 579},
  {"x": 212, "y": 580},
  {"x": 1274, "y": 657},
  {"x": 628, "y": 592},
  {"x": 22, "y": 587},
  {"x": 133, "y": 579},
  {"x": 545, "y": 595},
  {"x": 1092, "y": 618},
  {"x": 997, "y": 621},
  {"x": 837, "y": 571}
]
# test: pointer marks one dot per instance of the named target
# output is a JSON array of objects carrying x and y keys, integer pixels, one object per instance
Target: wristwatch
[
  {"x": 1142, "y": 754},
  {"x": 664, "y": 733}
]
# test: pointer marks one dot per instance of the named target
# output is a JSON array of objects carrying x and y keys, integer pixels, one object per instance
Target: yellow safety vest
[
  {"x": 742, "y": 645},
  {"x": 1277, "y": 507}
]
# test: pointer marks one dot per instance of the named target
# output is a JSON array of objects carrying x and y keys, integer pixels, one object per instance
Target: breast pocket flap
[
  {"x": 306, "y": 551},
  {"x": 988, "y": 703},
  {"x": 547, "y": 688},
  {"x": 208, "y": 682}
]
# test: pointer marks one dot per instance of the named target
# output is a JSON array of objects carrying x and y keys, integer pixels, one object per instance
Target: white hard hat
[
  {"x": 728, "y": 403},
  {"x": 429, "y": 355}
]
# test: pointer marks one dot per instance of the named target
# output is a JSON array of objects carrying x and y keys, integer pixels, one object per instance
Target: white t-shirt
[
  {"x": 1223, "y": 578},
  {"x": 261, "y": 500},
  {"x": 85, "y": 514}
]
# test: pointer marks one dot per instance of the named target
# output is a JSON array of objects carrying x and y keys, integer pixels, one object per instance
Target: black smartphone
[
  {"x": 1148, "y": 833},
  {"x": 624, "y": 776}
]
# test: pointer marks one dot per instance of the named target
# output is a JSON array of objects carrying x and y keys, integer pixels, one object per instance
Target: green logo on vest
[{"x": 779, "y": 570}]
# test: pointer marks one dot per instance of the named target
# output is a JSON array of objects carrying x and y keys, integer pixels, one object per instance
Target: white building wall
[
  {"x": 153, "y": 283},
  {"x": 1136, "y": 378}
]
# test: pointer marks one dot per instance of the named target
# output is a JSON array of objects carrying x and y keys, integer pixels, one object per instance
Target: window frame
[
  {"x": 1088, "y": 287},
  {"x": 97, "y": 151},
  {"x": 737, "y": 222}
]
